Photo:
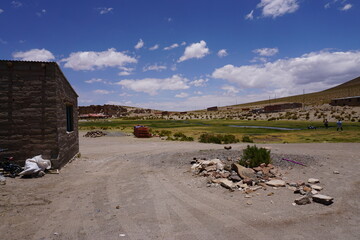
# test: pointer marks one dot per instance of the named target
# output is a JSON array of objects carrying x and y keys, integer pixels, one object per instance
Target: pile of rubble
[
  {"x": 94, "y": 134},
  {"x": 234, "y": 176}
]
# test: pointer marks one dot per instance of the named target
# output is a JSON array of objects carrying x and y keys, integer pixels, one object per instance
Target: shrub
[
  {"x": 165, "y": 133},
  {"x": 181, "y": 137},
  {"x": 246, "y": 138},
  {"x": 219, "y": 139},
  {"x": 253, "y": 156}
]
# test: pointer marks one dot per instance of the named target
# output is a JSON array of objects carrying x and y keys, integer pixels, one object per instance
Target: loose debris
[
  {"x": 233, "y": 176},
  {"x": 95, "y": 134}
]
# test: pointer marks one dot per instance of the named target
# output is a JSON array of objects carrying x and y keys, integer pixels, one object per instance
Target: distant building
[
  {"x": 347, "y": 101},
  {"x": 38, "y": 112},
  {"x": 281, "y": 107},
  {"x": 212, "y": 109}
]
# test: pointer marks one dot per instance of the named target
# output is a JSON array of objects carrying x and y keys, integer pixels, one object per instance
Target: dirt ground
[{"x": 128, "y": 188}]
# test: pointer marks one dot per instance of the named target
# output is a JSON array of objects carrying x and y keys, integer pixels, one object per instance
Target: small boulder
[
  {"x": 316, "y": 187},
  {"x": 323, "y": 199},
  {"x": 276, "y": 183},
  {"x": 303, "y": 200},
  {"x": 243, "y": 171},
  {"x": 313, "y": 180}
]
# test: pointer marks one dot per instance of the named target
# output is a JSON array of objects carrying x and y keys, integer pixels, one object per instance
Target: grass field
[{"x": 194, "y": 128}]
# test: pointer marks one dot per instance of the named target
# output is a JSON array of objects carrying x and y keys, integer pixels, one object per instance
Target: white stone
[
  {"x": 276, "y": 183},
  {"x": 316, "y": 187},
  {"x": 313, "y": 180}
]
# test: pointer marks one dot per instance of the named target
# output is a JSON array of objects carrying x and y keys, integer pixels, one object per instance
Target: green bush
[
  {"x": 181, "y": 137},
  {"x": 219, "y": 139},
  {"x": 246, "y": 138},
  {"x": 165, "y": 133},
  {"x": 254, "y": 156}
]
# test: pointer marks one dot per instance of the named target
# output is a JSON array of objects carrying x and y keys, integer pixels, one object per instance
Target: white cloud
[
  {"x": 34, "y": 55},
  {"x": 250, "y": 16},
  {"x": 327, "y": 5},
  {"x": 96, "y": 80},
  {"x": 2, "y": 41},
  {"x": 169, "y": 19},
  {"x": 104, "y": 10},
  {"x": 41, "y": 13},
  {"x": 125, "y": 95},
  {"x": 103, "y": 92},
  {"x": 230, "y": 90},
  {"x": 198, "y": 92},
  {"x": 266, "y": 52},
  {"x": 140, "y": 44},
  {"x": 85, "y": 100},
  {"x": 153, "y": 85},
  {"x": 222, "y": 53},
  {"x": 183, "y": 44},
  {"x": 195, "y": 50},
  {"x": 97, "y": 60},
  {"x": 175, "y": 45},
  {"x": 156, "y": 46},
  {"x": 154, "y": 67},
  {"x": 182, "y": 95},
  {"x": 316, "y": 70},
  {"x": 199, "y": 82},
  {"x": 126, "y": 103},
  {"x": 1, "y": 11},
  {"x": 277, "y": 8},
  {"x": 16, "y": 4},
  {"x": 346, "y": 7}
]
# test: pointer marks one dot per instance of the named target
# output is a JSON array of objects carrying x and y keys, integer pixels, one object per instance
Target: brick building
[{"x": 38, "y": 112}]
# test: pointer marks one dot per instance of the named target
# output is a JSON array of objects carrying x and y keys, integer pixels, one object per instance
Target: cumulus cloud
[
  {"x": 230, "y": 90},
  {"x": 156, "y": 46},
  {"x": 195, "y": 50},
  {"x": 199, "y": 82},
  {"x": 102, "y": 91},
  {"x": 153, "y": 85},
  {"x": 126, "y": 71},
  {"x": 104, "y": 10},
  {"x": 316, "y": 70},
  {"x": 222, "y": 53},
  {"x": 277, "y": 8},
  {"x": 140, "y": 44},
  {"x": 266, "y": 52},
  {"x": 182, "y": 95},
  {"x": 154, "y": 67},
  {"x": 175, "y": 45},
  {"x": 97, "y": 60},
  {"x": 346, "y": 7},
  {"x": 250, "y": 15},
  {"x": 34, "y": 55}
]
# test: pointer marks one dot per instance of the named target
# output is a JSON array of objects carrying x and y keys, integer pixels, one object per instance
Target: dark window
[{"x": 69, "y": 118}]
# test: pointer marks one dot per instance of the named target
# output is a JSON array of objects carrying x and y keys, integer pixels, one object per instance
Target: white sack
[{"x": 35, "y": 165}]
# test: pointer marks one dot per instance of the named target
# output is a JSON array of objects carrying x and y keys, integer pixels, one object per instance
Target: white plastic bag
[{"x": 35, "y": 165}]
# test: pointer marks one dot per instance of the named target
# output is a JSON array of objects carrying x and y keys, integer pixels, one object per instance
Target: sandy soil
[{"x": 127, "y": 188}]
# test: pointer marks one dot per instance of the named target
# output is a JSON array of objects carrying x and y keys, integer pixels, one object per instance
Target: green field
[{"x": 195, "y": 128}]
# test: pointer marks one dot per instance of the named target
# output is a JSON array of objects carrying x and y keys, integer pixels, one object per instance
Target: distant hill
[{"x": 347, "y": 89}]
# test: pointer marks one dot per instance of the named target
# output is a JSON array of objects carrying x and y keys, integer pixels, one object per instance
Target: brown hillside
[{"x": 347, "y": 89}]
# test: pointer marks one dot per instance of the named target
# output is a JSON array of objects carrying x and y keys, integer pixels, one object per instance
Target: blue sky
[{"x": 186, "y": 55}]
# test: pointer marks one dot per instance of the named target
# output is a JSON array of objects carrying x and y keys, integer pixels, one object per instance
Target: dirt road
[{"x": 127, "y": 188}]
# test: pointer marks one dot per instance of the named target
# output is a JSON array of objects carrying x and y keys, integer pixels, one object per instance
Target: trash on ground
[{"x": 35, "y": 167}]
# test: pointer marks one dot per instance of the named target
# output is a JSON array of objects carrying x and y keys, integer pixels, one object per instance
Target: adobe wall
[
  {"x": 27, "y": 109},
  {"x": 68, "y": 142}
]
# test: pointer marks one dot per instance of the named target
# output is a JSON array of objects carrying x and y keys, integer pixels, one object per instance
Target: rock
[
  {"x": 220, "y": 166},
  {"x": 316, "y": 187},
  {"x": 249, "y": 203},
  {"x": 117, "y": 207},
  {"x": 255, "y": 188},
  {"x": 313, "y": 192},
  {"x": 224, "y": 183},
  {"x": 313, "y": 180},
  {"x": 323, "y": 199},
  {"x": 336, "y": 172},
  {"x": 195, "y": 167},
  {"x": 270, "y": 194},
  {"x": 276, "y": 183},
  {"x": 292, "y": 188},
  {"x": 300, "y": 183},
  {"x": 227, "y": 167},
  {"x": 293, "y": 184},
  {"x": 257, "y": 169},
  {"x": 248, "y": 190},
  {"x": 262, "y": 165},
  {"x": 248, "y": 181},
  {"x": 303, "y": 200},
  {"x": 245, "y": 186},
  {"x": 227, "y": 184},
  {"x": 225, "y": 174},
  {"x": 247, "y": 196},
  {"x": 235, "y": 178},
  {"x": 243, "y": 171},
  {"x": 307, "y": 189},
  {"x": 227, "y": 147},
  {"x": 210, "y": 168}
]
